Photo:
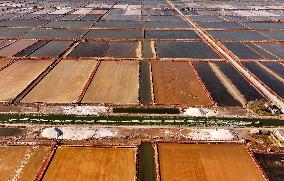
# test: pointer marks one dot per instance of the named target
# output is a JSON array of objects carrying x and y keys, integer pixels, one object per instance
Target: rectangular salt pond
[
  {"x": 115, "y": 82},
  {"x": 275, "y": 48},
  {"x": 145, "y": 92},
  {"x": 217, "y": 90},
  {"x": 221, "y": 25},
  {"x": 12, "y": 32},
  {"x": 32, "y": 48},
  {"x": 242, "y": 51},
  {"x": 246, "y": 89},
  {"x": 15, "y": 78},
  {"x": 90, "y": 17},
  {"x": 70, "y": 17},
  {"x": 170, "y": 34},
  {"x": 277, "y": 68},
  {"x": 206, "y": 18},
  {"x": 262, "y": 52},
  {"x": 90, "y": 49},
  {"x": 276, "y": 35},
  {"x": 145, "y": 24},
  {"x": 148, "y": 49},
  {"x": 64, "y": 84},
  {"x": 122, "y": 18},
  {"x": 265, "y": 25},
  {"x": 23, "y": 23},
  {"x": 117, "y": 34},
  {"x": 16, "y": 47},
  {"x": 185, "y": 50},
  {"x": 175, "y": 83},
  {"x": 54, "y": 33},
  {"x": 237, "y": 35},
  {"x": 78, "y": 24},
  {"x": 49, "y": 17},
  {"x": 52, "y": 49},
  {"x": 123, "y": 50},
  {"x": 118, "y": 24},
  {"x": 271, "y": 81},
  {"x": 164, "y": 18},
  {"x": 164, "y": 24}
]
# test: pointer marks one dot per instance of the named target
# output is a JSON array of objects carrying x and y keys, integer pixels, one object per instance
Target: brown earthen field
[
  {"x": 176, "y": 83},
  {"x": 64, "y": 83},
  {"x": 91, "y": 163},
  {"x": 206, "y": 162},
  {"x": 21, "y": 162},
  {"x": 115, "y": 83},
  {"x": 15, "y": 78}
]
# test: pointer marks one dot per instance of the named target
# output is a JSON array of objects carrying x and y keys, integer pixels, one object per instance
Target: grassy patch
[
  {"x": 140, "y": 120},
  {"x": 259, "y": 108}
]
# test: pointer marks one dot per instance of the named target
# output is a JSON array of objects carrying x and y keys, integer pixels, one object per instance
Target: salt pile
[
  {"x": 70, "y": 133},
  {"x": 204, "y": 134},
  {"x": 194, "y": 111},
  {"x": 85, "y": 110},
  {"x": 212, "y": 134}
]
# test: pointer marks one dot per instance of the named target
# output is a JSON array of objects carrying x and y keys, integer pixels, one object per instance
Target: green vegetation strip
[{"x": 136, "y": 120}]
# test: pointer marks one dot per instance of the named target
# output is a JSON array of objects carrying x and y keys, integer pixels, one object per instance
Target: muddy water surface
[
  {"x": 276, "y": 85},
  {"x": 145, "y": 94},
  {"x": 90, "y": 49},
  {"x": 247, "y": 90},
  {"x": 10, "y": 131},
  {"x": 216, "y": 89}
]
